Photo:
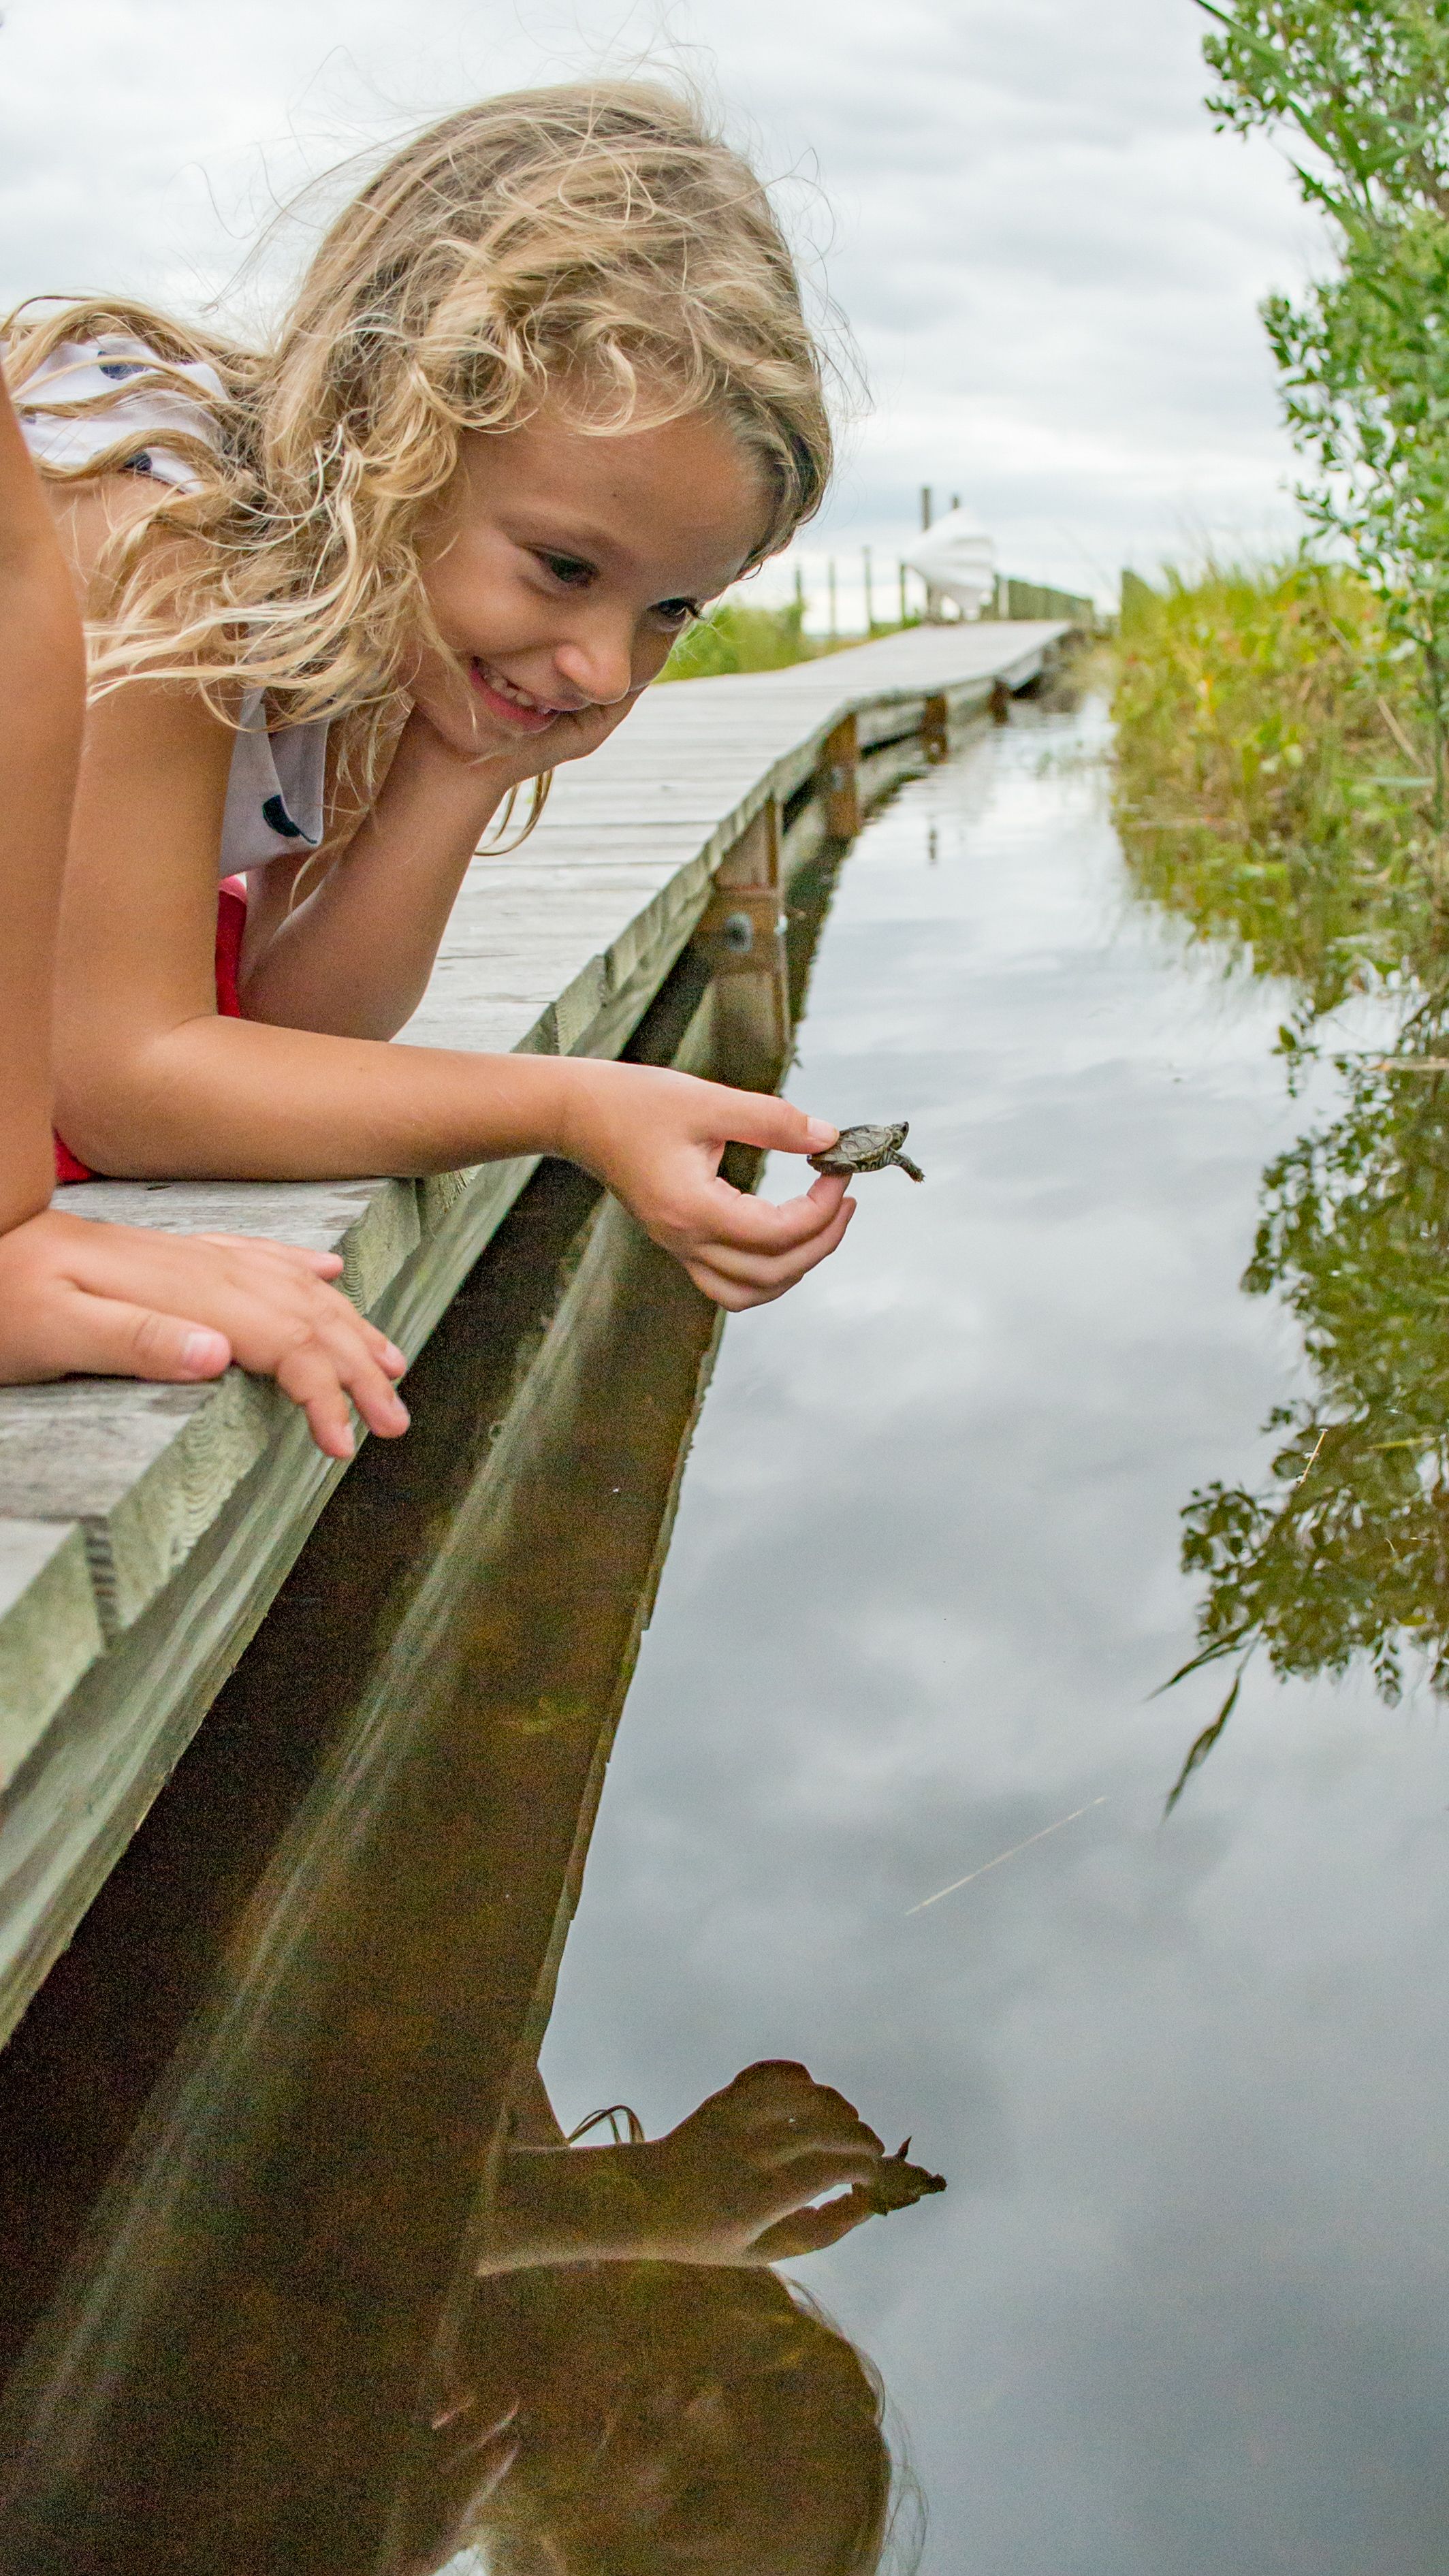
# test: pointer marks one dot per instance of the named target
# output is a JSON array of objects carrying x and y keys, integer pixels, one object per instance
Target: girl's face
[{"x": 560, "y": 568}]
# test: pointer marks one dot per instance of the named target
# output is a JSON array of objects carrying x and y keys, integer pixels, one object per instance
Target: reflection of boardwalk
[
  {"x": 247, "y": 2338},
  {"x": 144, "y": 1531}
]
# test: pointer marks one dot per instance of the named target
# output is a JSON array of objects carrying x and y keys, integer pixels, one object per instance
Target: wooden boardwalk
[{"x": 145, "y": 1530}]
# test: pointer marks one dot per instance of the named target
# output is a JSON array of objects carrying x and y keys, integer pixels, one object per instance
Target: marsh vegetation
[{"x": 1272, "y": 793}]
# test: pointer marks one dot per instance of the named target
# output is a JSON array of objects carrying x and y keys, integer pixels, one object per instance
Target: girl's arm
[
  {"x": 151, "y": 1081},
  {"x": 117, "y": 1299},
  {"x": 353, "y": 957},
  {"x": 42, "y": 698}
]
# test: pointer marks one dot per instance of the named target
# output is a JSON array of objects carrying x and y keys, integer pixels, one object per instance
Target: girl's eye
[
  {"x": 676, "y": 612},
  {"x": 569, "y": 569}
]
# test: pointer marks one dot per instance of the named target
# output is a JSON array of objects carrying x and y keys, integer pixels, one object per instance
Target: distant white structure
[{"x": 957, "y": 558}]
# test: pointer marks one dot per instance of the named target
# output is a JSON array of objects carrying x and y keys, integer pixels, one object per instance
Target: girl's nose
[{"x": 599, "y": 663}]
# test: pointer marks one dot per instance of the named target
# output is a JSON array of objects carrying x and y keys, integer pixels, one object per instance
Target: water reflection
[
  {"x": 635, "y": 2388},
  {"x": 1344, "y": 1550},
  {"x": 1182, "y": 2308},
  {"x": 344, "y": 2240}
]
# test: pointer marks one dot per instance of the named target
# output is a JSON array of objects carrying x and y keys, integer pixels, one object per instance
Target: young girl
[
  {"x": 545, "y": 390},
  {"x": 109, "y": 1299}
]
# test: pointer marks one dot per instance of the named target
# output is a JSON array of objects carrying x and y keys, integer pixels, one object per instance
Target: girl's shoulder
[
  {"x": 88, "y": 515},
  {"x": 108, "y": 421},
  {"x": 87, "y": 397}
]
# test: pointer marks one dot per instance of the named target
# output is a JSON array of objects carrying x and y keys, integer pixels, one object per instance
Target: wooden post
[
  {"x": 839, "y": 776},
  {"x": 830, "y": 580},
  {"x": 902, "y": 571},
  {"x": 869, "y": 594},
  {"x": 933, "y": 596},
  {"x": 936, "y": 729},
  {"x": 741, "y": 938}
]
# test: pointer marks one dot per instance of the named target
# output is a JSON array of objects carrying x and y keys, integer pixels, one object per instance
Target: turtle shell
[{"x": 862, "y": 1149}]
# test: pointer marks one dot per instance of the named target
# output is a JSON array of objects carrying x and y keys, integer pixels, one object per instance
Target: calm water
[{"x": 1183, "y": 2308}]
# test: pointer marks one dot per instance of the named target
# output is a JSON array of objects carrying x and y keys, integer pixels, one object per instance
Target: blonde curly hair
[{"x": 594, "y": 245}]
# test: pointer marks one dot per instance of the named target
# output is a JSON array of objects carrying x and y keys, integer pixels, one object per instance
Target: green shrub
[{"x": 1272, "y": 785}]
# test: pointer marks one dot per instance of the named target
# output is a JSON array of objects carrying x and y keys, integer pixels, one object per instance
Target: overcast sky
[{"x": 1050, "y": 262}]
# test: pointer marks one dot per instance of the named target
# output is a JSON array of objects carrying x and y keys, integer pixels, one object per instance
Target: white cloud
[{"x": 1050, "y": 262}]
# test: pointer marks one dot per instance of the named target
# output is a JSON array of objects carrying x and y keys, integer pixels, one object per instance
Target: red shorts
[{"x": 231, "y": 921}]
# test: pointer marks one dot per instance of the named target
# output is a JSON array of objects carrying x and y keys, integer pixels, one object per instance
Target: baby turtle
[
  {"x": 868, "y": 1149},
  {"x": 895, "y": 2184}
]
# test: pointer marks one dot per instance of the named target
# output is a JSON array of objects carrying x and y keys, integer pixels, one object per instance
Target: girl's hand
[
  {"x": 735, "y": 2182},
  {"x": 121, "y": 1301},
  {"x": 452, "y": 735},
  {"x": 656, "y": 1138},
  {"x": 570, "y": 737}
]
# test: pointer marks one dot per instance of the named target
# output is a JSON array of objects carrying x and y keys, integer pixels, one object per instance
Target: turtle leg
[{"x": 907, "y": 1165}]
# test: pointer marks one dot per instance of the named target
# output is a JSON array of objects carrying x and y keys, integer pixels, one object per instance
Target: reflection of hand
[
  {"x": 736, "y": 2180},
  {"x": 734, "y": 2183}
]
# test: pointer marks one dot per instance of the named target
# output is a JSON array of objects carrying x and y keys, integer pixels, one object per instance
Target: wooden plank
[
  {"x": 50, "y": 1629},
  {"x": 168, "y": 1516}
]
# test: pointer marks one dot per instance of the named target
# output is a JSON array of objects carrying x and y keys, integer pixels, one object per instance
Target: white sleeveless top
[{"x": 274, "y": 797}]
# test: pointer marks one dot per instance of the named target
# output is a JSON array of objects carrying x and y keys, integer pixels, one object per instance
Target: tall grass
[
  {"x": 737, "y": 636},
  {"x": 1272, "y": 785}
]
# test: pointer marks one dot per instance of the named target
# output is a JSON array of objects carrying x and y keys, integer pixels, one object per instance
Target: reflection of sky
[{"x": 1183, "y": 2308}]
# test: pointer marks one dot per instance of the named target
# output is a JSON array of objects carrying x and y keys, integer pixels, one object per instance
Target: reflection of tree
[{"x": 1346, "y": 1552}]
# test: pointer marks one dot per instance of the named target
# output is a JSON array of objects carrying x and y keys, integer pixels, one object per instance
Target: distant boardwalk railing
[
  {"x": 1031, "y": 599},
  {"x": 145, "y": 1530}
]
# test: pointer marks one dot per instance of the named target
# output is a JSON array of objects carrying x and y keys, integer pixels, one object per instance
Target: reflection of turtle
[
  {"x": 868, "y": 1149},
  {"x": 898, "y": 2185}
]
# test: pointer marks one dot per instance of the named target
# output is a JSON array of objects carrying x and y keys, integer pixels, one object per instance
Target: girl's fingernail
[
  {"x": 396, "y": 1359},
  {"x": 204, "y": 1353},
  {"x": 818, "y": 1132}
]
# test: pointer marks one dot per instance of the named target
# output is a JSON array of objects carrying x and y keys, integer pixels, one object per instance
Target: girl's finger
[
  {"x": 770, "y": 2081},
  {"x": 320, "y": 1381},
  {"x": 761, "y": 1118},
  {"x": 730, "y": 1216},
  {"x": 268, "y": 1317},
  {"x": 779, "y": 2089},
  {"x": 824, "y": 2169},
  {"x": 724, "y": 1292},
  {"x": 110, "y": 1337},
  {"x": 770, "y": 1274},
  {"x": 815, "y": 2133},
  {"x": 809, "y": 2231},
  {"x": 372, "y": 1391},
  {"x": 313, "y": 1384},
  {"x": 297, "y": 1256}
]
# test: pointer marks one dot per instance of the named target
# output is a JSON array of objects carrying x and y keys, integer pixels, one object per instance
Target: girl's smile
[{"x": 510, "y": 705}]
